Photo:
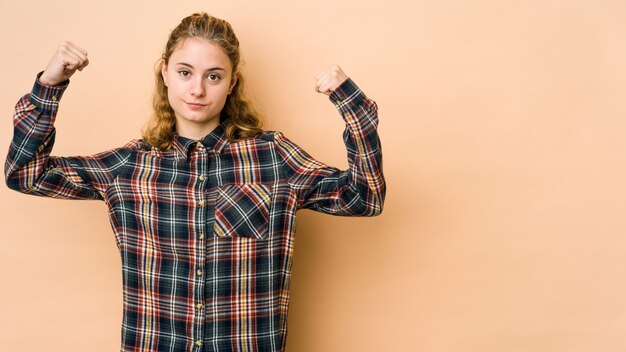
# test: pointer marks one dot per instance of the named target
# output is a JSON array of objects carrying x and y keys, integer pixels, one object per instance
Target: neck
[{"x": 196, "y": 131}]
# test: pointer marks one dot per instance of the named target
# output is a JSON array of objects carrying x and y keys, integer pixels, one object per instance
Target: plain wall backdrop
[{"x": 503, "y": 126}]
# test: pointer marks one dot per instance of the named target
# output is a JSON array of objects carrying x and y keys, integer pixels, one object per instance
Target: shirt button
[
  {"x": 54, "y": 98},
  {"x": 198, "y": 343},
  {"x": 201, "y": 236},
  {"x": 202, "y": 203},
  {"x": 199, "y": 145},
  {"x": 199, "y": 272},
  {"x": 201, "y": 177},
  {"x": 199, "y": 306}
]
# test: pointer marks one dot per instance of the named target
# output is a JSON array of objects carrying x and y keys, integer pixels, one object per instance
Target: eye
[
  {"x": 184, "y": 73},
  {"x": 213, "y": 77}
]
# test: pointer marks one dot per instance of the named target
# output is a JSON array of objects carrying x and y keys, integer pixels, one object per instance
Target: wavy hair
[{"x": 243, "y": 119}]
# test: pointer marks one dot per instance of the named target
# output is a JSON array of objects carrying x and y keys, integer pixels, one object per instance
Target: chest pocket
[{"x": 243, "y": 211}]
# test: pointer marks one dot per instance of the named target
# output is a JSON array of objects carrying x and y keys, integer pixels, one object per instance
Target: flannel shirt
[{"x": 205, "y": 229}]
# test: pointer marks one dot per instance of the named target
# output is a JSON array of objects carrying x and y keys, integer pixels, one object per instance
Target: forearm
[
  {"x": 29, "y": 167},
  {"x": 362, "y": 141},
  {"x": 357, "y": 191},
  {"x": 33, "y": 135}
]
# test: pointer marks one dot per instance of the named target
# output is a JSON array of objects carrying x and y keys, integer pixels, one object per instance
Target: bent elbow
[
  {"x": 379, "y": 199},
  {"x": 11, "y": 181},
  {"x": 20, "y": 180},
  {"x": 18, "y": 185},
  {"x": 375, "y": 209},
  {"x": 374, "y": 204}
]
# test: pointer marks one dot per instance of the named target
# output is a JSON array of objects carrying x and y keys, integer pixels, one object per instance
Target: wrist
[
  {"x": 47, "y": 96},
  {"x": 43, "y": 80}
]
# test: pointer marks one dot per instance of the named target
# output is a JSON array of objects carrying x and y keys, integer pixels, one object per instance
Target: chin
[{"x": 201, "y": 119}]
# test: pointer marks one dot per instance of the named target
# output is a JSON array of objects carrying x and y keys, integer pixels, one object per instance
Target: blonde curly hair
[{"x": 243, "y": 119}]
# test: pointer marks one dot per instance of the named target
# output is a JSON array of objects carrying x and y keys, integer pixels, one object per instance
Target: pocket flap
[{"x": 243, "y": 210}]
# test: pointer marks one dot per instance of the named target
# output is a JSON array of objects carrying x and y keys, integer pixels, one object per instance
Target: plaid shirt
[{"x": 205, "y": 229}]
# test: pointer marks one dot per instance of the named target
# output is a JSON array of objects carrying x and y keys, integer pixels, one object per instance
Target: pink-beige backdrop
[{"x": 504, "y": 133}]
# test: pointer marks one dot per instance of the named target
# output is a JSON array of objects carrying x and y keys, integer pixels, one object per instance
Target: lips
[{"x": 195, "y": 106}]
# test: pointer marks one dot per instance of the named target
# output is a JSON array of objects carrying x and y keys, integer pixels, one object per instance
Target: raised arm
[
  {"x": 357, "y": 191},
  {"x": 29, "y": 168}
]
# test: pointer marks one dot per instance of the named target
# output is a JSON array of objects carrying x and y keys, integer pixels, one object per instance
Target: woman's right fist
[{"x": 68, "y": 58}]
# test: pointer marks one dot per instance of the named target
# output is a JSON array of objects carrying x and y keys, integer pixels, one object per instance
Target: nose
[{"x": 197, "y": 88}]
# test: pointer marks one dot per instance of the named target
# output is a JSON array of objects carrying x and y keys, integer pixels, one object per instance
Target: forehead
[{"x": 199, "y": 53}]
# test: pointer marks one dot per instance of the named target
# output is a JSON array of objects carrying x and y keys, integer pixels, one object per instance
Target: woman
[{"x": 203, "y": 206}]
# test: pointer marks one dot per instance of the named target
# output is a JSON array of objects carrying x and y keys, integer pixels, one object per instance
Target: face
[{"x": 199, "y": 78}]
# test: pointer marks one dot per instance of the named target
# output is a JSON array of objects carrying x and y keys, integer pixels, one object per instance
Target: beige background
[{"x": 504, "y": 130}]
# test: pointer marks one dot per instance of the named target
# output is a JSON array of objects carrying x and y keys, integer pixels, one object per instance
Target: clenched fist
[
  {"x": 329, "y": 79},
  {"x": 68, "y": 58}
]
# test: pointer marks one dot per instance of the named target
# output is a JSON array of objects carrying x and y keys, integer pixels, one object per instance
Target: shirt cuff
[
  {"x": 347, "y": 93},
  {"x": 47, "y": 97}
]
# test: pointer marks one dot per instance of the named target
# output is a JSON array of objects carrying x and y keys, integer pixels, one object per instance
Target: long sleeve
[
  {"x": 30, "y": 169},
  {"x": 357, "y": 191}
]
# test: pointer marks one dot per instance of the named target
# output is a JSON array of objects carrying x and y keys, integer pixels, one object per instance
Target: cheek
[
  {"x": 173, "y": 91},
  {"x": 173, "y": 98},
  {"x": 221, "y": 92},
  {"x": 170, "y": 95},
  {"x": 220, "y": 100}
]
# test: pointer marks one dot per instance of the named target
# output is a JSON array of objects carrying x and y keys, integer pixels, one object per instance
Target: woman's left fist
[{"x": 329, "y": 79}]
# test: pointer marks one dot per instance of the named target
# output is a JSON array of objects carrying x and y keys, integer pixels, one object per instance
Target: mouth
[{"x": 195, "y": 106}]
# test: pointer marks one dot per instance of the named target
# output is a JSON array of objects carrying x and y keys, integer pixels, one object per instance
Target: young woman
[{"x": 202, "y": 207}]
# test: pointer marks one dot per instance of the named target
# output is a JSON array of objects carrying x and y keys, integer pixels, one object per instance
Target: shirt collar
[{"x": 215, "y": 141}]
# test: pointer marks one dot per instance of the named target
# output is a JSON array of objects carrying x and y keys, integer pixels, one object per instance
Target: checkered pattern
[{"x": 205, "y": 230}]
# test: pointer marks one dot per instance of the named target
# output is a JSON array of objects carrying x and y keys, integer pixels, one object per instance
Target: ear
[
  {"x": 233, "y": 82},
  {"x": 163, "y": 71}
]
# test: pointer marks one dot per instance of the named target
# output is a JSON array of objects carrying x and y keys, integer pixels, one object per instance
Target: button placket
[{"x": 200, "y": 250}]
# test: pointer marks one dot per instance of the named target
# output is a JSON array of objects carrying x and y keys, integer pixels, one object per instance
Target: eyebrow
[{"x": 209, "y": 69}]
